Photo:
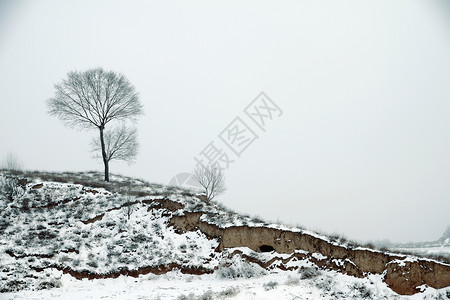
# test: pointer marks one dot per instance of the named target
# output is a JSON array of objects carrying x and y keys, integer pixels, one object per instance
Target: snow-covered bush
[
  {"x": 228, "y": 293},
  {"x": 12, "y": 285},
  {"x": 308, "y": 273},
  {"x": 361, "y": 290},
  {"x": 49, "y": 284},
  {"x": 292, "y": 280},
  {"x": 237, "y": 267},
  {"x": 270, "y": 285},
  {"x": 325, "y": 283},
  {"x": 208, "y": 295},
  {"x": 10, "y": 189}
]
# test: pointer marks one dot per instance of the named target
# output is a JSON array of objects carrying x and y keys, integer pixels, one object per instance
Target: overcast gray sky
[{"x": 361, "y": 148}]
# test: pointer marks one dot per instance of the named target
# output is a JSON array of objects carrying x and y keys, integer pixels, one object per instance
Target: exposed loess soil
[{"x": 403, "y": 277}]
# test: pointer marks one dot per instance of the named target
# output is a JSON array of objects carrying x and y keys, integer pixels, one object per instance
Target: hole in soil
[{"x": 265, "y": 248}]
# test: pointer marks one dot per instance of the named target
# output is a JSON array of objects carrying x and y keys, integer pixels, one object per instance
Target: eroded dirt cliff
[{"x": 402, "y": 274}]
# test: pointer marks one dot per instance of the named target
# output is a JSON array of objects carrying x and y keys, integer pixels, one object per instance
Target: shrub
[
  {"x": 92, "y": 264},
  {"x": 308, "y": 273},
  {"x": 292, "y": 280},
  {"x": 240, "y": 269},
  {"x": 49, "y": 284},
  {"x": 64, "y": 259},
  {"x": 270, "y": 285},
  {"x": 208, "y": 295},
  {"x": 25, "y": 205},
  {"x": 76, "y": 262},
  {"x": 229, "y": 292},
  {"x": 188, "y": 297},
  {"x": 10, "y": 189},
  {"x": 47, "y": 234},
  {"x": 325, "y": 283},
  {"x": 139, "y": 238},
  {"x": 123, "y": 259},
  {"x": 361, "y": 290},
  {"x": 369, "y": 245},
  {"x": 13, "y": 285},
  {"x": 4, "y": 224}
]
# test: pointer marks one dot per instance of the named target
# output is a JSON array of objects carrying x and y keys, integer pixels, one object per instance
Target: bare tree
[
  {"x": 120, "y": 144},
  {"x": 10, "y": 162},
  {"x": 92, "y": 99},
  {"x": 129, "y": 207},
  {"x": 212, "y": 179}
]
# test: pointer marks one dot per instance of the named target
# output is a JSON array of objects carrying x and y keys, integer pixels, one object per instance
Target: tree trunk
[{"x": 105, "y": 159}]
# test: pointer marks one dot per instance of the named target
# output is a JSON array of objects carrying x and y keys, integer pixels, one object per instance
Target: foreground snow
[{"x": 174, "y": 285}]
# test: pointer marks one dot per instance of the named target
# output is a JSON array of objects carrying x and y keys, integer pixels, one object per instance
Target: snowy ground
[
  {"x": 58, "y": 225},
  {"x": 174, "y": 285}
]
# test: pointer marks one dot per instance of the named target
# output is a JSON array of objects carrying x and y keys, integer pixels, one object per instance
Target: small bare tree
[
  {"x": 129, "y": 209},
  {"x": 120, "y": 144},
  {"x": 212, "y": 179},
  {"x": 10, "y": 162},
  {"x": 92, "y": 99}
]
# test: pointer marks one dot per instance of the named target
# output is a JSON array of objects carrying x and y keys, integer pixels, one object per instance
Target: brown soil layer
[{"x": 158, "y": 270}]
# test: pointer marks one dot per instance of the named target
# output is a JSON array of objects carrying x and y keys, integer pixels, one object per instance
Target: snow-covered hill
[
  {"x": 439, "y": 249},
  {"x": 148, "y": 241},
  {"x": 446, "y": 236}
]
